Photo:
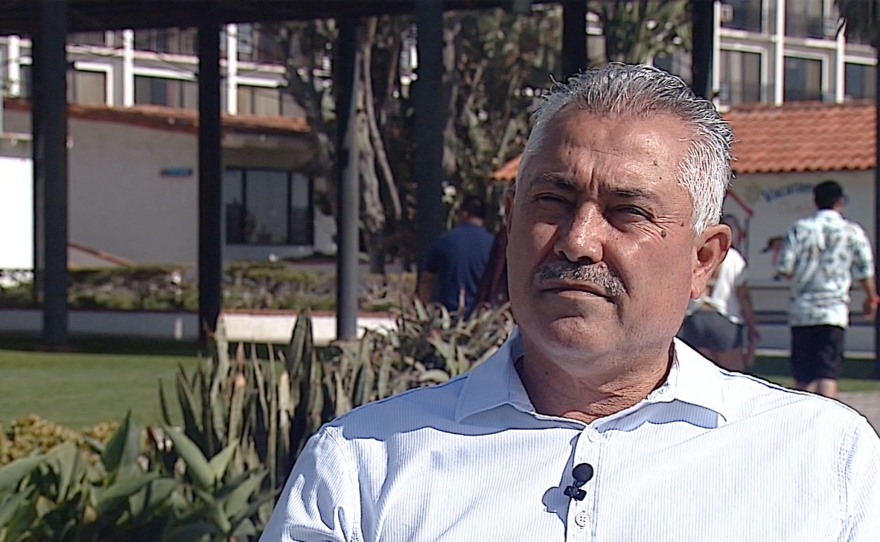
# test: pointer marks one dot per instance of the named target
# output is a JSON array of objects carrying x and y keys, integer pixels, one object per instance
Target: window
[
  {"x": 861, "y": 81},
  {"x": 166, "y": 40},
  {"x": 267, "y": 207},
  {"x": 803, "y": 79},
  {"x": 87, "y": 38},
  {"x": 84, "y": 87},
  {"x": 170, "y": 92},
  {"x": 804, "y": 19},
  {"x": 256, "y": 45},
  {"x": 746, "y": 15},
  {"x": 740, "y": 77},
  {"x": 267, "y": 101}
]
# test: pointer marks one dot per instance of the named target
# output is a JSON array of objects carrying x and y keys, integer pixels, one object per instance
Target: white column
[
  {"x": 13, "y": 66},
  {"x": 127, "y": 68},
  {"x": 779, "y": 83},
  {"x": 840, "y": 67},
  {"x": 232, "y": 69},
  {"x": 716, "y": 52}
]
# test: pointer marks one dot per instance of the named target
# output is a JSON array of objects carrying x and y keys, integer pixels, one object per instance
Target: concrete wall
[
  {"x": 16, "y": 213},
  {"x": 762, "y": 206}
]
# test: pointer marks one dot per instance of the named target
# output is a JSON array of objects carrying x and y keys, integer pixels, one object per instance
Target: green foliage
[
  {"x": 162, "y": 492},
  {"x": 32, "y": 434},
  {"x": 246, "y": 285},
  {"x": 640, "y": 29},
  {"x": 267, "y": 408},
  {"x": 60, "y": 495},
  {"x": 245, "y": 418}
]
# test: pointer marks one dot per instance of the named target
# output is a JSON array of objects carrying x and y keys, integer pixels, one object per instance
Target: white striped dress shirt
[{"x": 708, "y": 456}]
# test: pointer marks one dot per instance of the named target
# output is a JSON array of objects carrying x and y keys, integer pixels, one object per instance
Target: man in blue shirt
[
  {"x": 456, "y": 262},
  {"x": 592, "y": 422},
  {"x": 821, "y": 254}
]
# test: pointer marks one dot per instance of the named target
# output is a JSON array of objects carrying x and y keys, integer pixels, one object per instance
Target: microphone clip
[{"x": 582, "y": 474}]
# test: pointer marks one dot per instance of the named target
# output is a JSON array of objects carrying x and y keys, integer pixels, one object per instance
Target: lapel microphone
[{"x": 582, "y": 474}]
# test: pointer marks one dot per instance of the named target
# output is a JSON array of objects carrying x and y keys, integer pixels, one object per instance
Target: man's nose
[{"x": 582, "y": 238}]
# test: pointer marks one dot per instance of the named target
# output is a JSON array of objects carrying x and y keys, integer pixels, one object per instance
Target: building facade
[
  {"x": 776, "y": 51},
  {"x": 269, "y": 189}
]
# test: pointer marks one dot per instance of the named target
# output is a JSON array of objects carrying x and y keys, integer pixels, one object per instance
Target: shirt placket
[{"x": 581, "y": 524}]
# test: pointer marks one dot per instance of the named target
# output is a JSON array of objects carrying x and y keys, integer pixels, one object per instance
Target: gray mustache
[{"x": 597, "y": 273}]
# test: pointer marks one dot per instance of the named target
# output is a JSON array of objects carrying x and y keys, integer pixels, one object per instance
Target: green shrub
[
  {"x": 246, "y": 285},
  {"x": 33, "y": 434},
  {"x": 245, "y": 420}
]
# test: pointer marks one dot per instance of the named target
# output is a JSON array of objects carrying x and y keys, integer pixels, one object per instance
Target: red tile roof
[
  {"x": 799, "y": 136},
  {"x": 176, "y": 119}
]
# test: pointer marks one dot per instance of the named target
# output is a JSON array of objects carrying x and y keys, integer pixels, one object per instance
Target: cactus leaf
[
  {"x": 220, "y": 462},
  {"x": 196, "y": 464}
]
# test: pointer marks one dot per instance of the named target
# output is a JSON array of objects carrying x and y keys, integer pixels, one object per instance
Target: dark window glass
[
  {"x": 861, "y": 81},
  {"x": 803, "y": 79},
  {"x": 27, "y": 81},
  {"x": 268, "y": 207},
  {"x": 85, "y": 87},
  {"x": 87, "y": 38},
  {"x": 169, "y": 92},
  {"x": 166, "y": 40},
  {"x": 805, "y": 19},
  {"x": 266, "y": 193},
  {"x": 300, "y": 210},
  {"x": 744, "y": 15},
  {"x": 233, "y": 196},
  {"x": 740, "y": 78},
  {"x": 266, "y": 101},
  {"x": 255, "y": 44}
]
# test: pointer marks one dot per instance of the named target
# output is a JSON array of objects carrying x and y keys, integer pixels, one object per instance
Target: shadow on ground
[{"x": 104, "y": 345}]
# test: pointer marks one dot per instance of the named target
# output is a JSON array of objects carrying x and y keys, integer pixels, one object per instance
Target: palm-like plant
[{"x": 862, "y": 17}]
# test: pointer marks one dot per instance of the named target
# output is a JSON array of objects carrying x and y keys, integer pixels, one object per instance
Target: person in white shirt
[
  {"x": 716, "y": 320},
  {"x": 593, "y": 422}
]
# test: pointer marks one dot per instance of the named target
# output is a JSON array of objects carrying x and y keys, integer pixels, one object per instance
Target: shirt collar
[
  {"x": 828, "y": 212},
  {"x": 692, "y": 379}
]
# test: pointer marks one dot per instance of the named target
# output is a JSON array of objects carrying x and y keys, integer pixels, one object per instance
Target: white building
[
  {"x": 133, "y": 151},
  {"x": 775, "y": 51},
  {"x": 133, "y": 187}
]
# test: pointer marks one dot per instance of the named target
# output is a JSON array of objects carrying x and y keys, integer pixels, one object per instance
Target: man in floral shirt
[{"x": 821, "y": 255}]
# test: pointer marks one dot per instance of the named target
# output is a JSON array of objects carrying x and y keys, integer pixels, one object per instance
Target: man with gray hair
[{"x": 592, "y": 422}]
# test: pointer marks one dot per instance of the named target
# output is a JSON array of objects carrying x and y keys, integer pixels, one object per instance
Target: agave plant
[
  {"x": 59, "y": 495},
  {"x": 246, "y": 413}
]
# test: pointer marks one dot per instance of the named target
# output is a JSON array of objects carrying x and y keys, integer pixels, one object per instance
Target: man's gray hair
[{"x": 641, "y": 92}]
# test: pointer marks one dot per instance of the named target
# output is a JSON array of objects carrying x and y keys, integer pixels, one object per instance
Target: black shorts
[
  {"x": 708, "y": 329},
  {"x": 816, "y": 352}
]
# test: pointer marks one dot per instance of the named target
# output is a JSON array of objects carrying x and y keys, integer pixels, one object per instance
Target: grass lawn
[
  {"x": 99, "y": 381},
  {"x": 103, "y": 378}
]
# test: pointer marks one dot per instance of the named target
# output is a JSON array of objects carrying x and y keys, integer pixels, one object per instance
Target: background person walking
[
  {"x": 457, "y": 260},
  {"x": 822, "y": 254},
  {"x": 716, "y": 320}
]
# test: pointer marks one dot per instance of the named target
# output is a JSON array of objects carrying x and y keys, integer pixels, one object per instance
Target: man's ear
[{"x": 710, "y": 249}]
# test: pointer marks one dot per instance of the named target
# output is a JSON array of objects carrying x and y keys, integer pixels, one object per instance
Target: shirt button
[
  {"x": 582, "y": 519},
  {"x": 594, "y": 436}
]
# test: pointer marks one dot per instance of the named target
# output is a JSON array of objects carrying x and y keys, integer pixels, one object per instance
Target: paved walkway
[{"x": 866, "y": 402}]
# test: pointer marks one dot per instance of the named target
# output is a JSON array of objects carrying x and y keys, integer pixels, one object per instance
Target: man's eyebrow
[
  {"x": 632, "y": 193},
  {"x": 558, "y": 181}
]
